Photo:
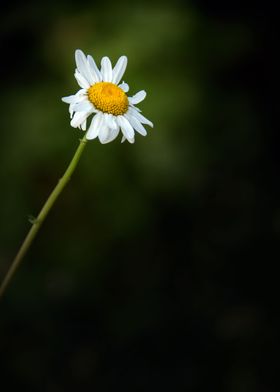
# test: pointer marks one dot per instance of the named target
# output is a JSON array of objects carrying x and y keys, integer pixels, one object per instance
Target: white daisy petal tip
[
  {"x": 106, "y": 69},
  {"x": 119, "y": 69},
  {"x": 124, "y": 86},
  {"x": 94, "y": 70},
  {"x": 67, "y": 99},
  {"x": 79, "y": 52},
  {"x": 103, "y": 94},
  {"x": 123, "y": 58},
  {"x": 139, "y": 97}
]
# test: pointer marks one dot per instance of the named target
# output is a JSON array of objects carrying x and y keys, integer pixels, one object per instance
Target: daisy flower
[{"x": 103, "y": 95}]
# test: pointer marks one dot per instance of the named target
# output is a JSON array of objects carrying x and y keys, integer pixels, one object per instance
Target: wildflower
[{"x": 103, "y": 95}]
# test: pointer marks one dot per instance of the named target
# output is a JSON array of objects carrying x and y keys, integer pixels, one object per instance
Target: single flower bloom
[{"x": 103, "y": 95}]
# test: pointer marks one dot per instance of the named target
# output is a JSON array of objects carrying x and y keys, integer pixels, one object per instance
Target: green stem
[{"x": 36, "y": 224}]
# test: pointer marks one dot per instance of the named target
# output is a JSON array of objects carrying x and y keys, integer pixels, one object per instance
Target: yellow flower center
[{"x": 108, "y": 98}]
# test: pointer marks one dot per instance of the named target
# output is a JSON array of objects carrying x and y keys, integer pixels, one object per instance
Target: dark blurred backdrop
[{"x": 155, "y": 269}]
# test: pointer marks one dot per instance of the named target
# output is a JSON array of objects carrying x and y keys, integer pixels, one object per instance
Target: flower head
[{"x": 103, "y": 95}]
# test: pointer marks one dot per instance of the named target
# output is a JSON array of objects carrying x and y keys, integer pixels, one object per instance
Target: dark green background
[{"x": 154, "y": 270}]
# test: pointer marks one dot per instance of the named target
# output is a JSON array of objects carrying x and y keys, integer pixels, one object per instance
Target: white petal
[
  {"x": 127, "y": 129},
  {"x": 93, "y": 68},
  {"x": 82, "y": 82},
  {"x": 140, "y": 96},
  {"x": 83, "y": 106},
  {"x": 78, "y": 119},
  {"x": 78, "y": 99},
  {"x": 110, "y": 120},
  {"x": 106, "y": 69},
  {"x": 136, "y": 125},
  {"x": 124, "y": 86},
  {"x": 139, "y": 116},
  {"x": 83, "y": 66},
  {"x": 129, "y": 140},
  {"x": 80, "y": 96},
  {"x": 119, "y": 69},
  {"x": 74, "y": 99},
  {"x": 84, "y": 125},
  {"x": 69, "y": 99},
  {"x": 107, "y": 135},
  {"x": 104, "y": 134},
  {"x": 136, "y": 108},
  {"x": 95, "y": 126},
  {"x": 113, "y": 134},
  {"x": 82, "y": 92},
  {"x": 71, "y": 111}
]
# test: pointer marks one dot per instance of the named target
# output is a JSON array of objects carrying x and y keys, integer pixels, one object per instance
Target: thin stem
[{"x": 37, "y": 222}]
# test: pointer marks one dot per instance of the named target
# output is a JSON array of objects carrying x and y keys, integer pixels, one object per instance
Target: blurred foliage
[{"x": 145, "y": 274}]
